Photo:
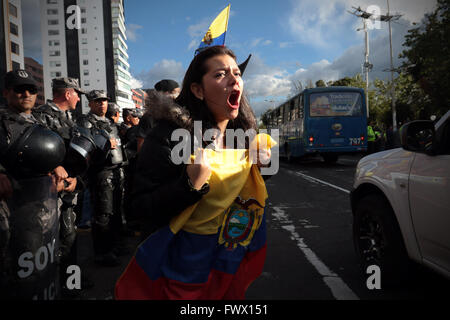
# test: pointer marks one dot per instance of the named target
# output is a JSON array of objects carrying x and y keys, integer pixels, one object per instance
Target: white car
[{"x": 401, "y": 203}]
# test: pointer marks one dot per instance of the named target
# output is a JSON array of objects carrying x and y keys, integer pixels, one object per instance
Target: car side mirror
[{"x": 418, "y": 136}]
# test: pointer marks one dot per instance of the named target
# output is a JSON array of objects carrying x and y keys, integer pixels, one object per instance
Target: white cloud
[
  {"x": 132, "y": 31},
  {"x": 262, "y": 80},
  {"x": 136, "y": 84},
  {"x": 164, "y": 69},
  {"x": 196, "y": 32}
]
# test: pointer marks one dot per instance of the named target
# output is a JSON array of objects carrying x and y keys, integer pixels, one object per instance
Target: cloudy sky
[{"x": 290, "y": 40}]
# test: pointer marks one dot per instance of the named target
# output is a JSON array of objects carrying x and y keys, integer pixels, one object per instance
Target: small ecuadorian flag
[{"x": 215, "y": 36}]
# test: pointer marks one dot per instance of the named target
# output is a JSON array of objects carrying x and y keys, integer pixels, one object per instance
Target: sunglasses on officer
[{"x": 21, "y": 89}]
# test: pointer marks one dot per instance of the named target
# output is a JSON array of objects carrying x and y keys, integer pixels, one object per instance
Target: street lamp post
[{"x": 394, "y": 111}]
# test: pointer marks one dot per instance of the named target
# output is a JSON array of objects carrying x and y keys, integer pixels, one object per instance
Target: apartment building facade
[
  {"x": 11, "y": 37},
  {"x": 86, "y": 39},
  {"x": 35, "y": 69}
]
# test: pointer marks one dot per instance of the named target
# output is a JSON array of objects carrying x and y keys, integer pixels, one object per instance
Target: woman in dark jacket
[
  {"x": 162, "y": 189},
  {"x": 205, "y": 228}
]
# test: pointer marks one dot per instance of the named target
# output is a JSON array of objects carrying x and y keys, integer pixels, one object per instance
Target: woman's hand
[
  {"x": 200, "y": 171},
  {"x": 263, "y": 158}
]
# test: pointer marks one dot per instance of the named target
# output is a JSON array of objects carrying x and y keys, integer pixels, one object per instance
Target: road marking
[
  {"x": 337, "y": 286},
  {"x": 309, "y": 178}
]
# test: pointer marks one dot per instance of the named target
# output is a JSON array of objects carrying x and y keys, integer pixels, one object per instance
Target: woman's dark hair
[{"x": 198, "y": 108}]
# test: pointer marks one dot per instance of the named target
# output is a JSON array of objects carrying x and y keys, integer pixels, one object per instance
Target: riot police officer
[
  {"x": 101, "y": 178},
  {"x": 118, "y": 162},
  {"x": 129, "y": 130},
  {"x": 56, "y": 114},
  {"x": 30, "y": 156}
]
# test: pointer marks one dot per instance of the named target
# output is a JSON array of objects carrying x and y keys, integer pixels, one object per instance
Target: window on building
[
  {"x": 55, "y": 63},
  {"x": 13, "y": 28},
  {"x": 84, "y": 41},
  {"x": 84, "y": 52},
  {"x": 16, "y": 65},
  {"x": 53, "y": 43},
  {"x": 15, "y": 48},
  {"x": 85, "y": 72},
  {"x": 83, "y": 20},
  {"x": 83, "y": 10},
  {"x": 55, "y": 74},
  {"x": 52, "y": 1},
  {"x": 52, "y": 22},
  {"x": 54, "y": 53},
  {"x": 85, "y": 62},
  {"x": 53, "y": 32},
  {"x": 12, "y": 10},
  {"x": 86, "y": 83},
  {"x": 52, "y": 11},
  {"x": 83, "y": 30}
]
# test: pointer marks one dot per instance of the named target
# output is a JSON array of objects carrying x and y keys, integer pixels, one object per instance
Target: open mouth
[{"x": 233, "y": 99}]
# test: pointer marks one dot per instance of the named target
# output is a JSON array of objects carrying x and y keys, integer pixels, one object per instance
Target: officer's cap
[
  {"x": 63, "y": 83},
  {"x": 97, "y": 94},
  {"x": 113, "y": 108},
  {"x": 18, "y": 78}
]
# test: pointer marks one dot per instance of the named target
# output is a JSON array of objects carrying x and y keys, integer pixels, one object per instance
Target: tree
[
  {"x": 428, "y": 59},
  {"x": 265, "y": 117},
  {"x": 320, "y": 83}
]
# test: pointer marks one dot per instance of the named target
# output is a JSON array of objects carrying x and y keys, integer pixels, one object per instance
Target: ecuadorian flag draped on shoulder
[
  {"x": 215, "y": 36},
  {"x": 212, "y": 250}
]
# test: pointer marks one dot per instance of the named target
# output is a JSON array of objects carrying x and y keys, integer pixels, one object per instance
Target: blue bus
[{"x": 328, "y": 121}]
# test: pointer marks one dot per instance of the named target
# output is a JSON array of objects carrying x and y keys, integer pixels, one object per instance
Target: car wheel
[{"x": 378, "y": 240}]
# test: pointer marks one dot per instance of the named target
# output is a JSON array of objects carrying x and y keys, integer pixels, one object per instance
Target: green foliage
[
  {"x": 428, "y": 61},
  {"x": 320, "y": 83}
]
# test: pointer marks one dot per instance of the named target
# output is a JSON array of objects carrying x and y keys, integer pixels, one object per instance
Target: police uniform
[
  {"x": 29, "y": 218},
  {"x": 60, "y": 121},
  {"x": 129, "y": 134},
  {"x": 119, "y": 162},
  {"x": 102, "y": 177}
]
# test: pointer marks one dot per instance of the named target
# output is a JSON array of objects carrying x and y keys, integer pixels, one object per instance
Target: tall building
[
  {"x": 11, "y": 37},
  {"x": 35, "y": 69},
  {"x": 86, "y": 39},
  {"x": 139, "y": 96}
]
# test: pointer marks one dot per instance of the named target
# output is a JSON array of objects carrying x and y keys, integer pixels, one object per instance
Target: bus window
[
  {"x": 300, "y": 107},
  {"x": 334, "y": 104}
]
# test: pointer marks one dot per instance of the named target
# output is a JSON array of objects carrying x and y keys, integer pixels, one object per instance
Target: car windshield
[{"x": 334, "y": 104}]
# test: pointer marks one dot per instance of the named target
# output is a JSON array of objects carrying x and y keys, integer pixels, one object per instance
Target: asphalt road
[{"x": 310, "y": 253}]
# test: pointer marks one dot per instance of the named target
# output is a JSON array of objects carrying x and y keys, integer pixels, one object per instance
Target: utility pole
[
  {"x": 367, "y": 15},
  {"x": 394, "y": 111},
  {"x": 367, "y": 65}
]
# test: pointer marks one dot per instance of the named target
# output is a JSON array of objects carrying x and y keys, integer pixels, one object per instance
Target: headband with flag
[{"x": 215, "y": 36}]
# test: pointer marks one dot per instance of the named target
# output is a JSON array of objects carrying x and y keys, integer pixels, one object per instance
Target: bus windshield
[{"x": 334, "y": 104}]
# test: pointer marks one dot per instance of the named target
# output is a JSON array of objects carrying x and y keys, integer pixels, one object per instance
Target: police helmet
[
  {"x": 80, "y": 151},
  {"x": 37, "y": 152}
]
